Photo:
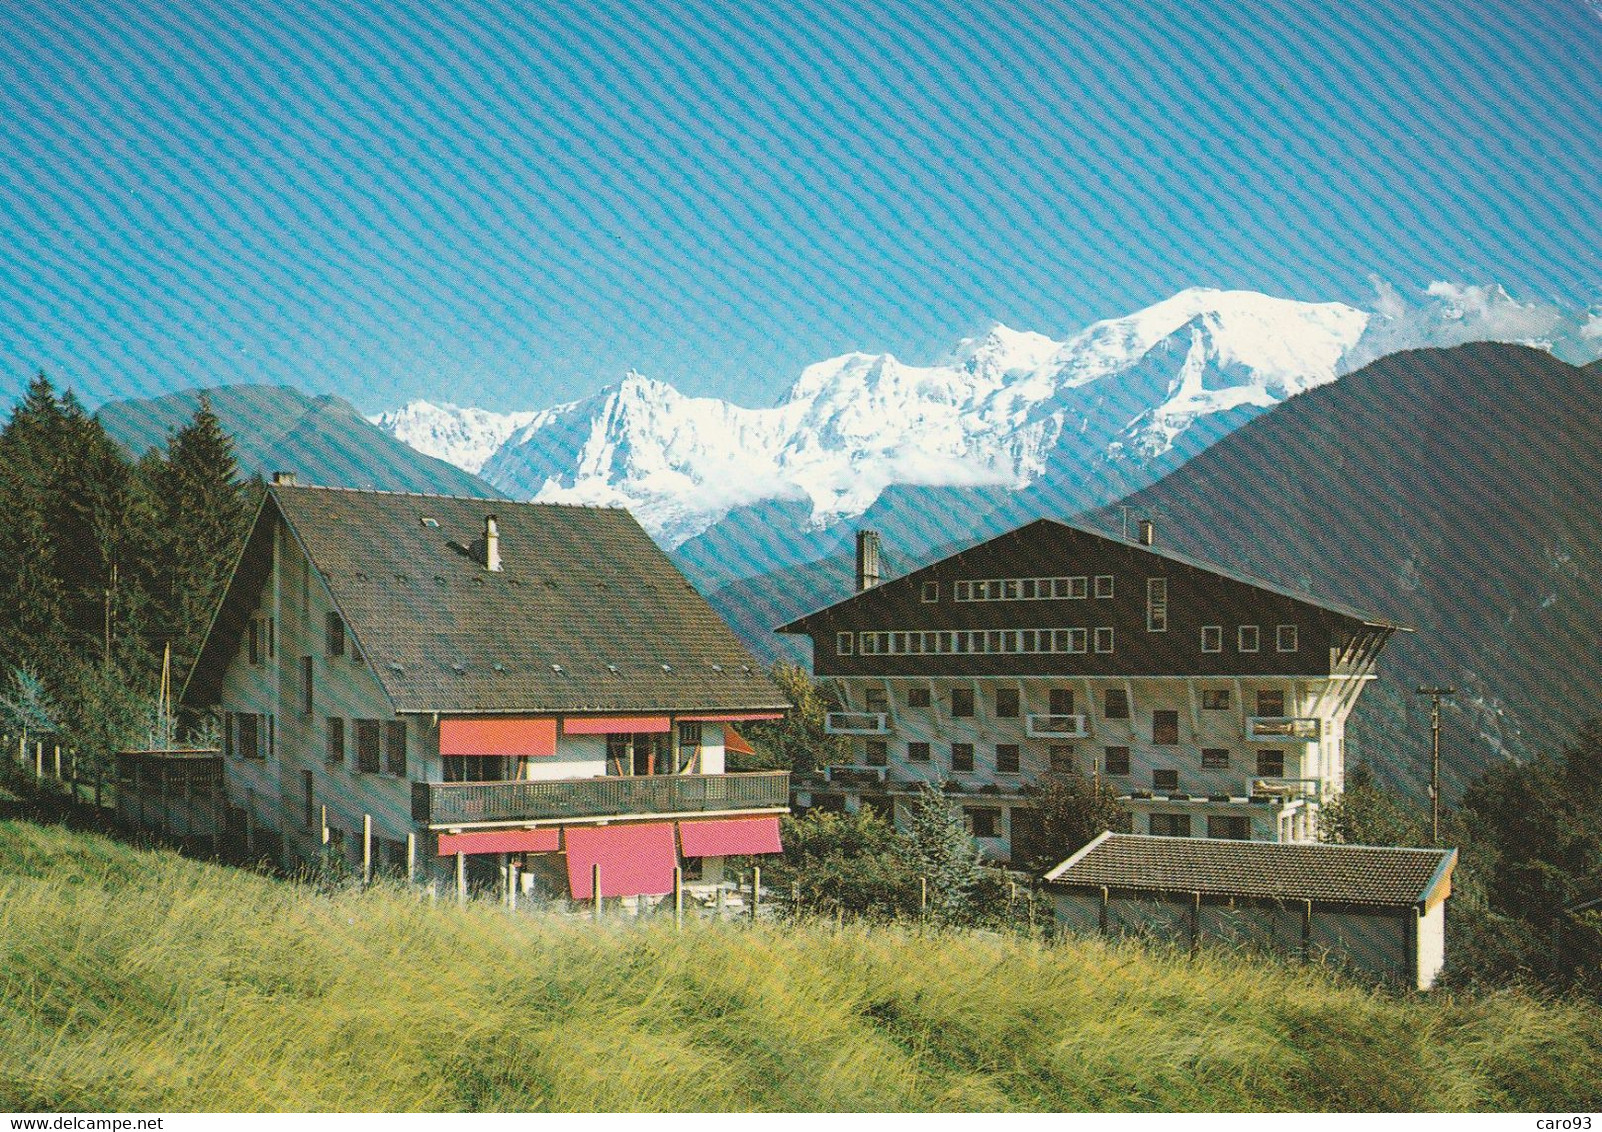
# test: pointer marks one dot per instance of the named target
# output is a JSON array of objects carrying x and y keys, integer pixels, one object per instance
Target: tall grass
[{"x": 138, "y": 980}]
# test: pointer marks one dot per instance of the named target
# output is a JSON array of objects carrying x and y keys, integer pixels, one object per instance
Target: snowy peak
[{"x": 464, "y": 437}]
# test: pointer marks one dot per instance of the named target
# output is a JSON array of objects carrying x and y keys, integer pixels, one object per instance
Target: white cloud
[{"x": 1449, "y": 314}]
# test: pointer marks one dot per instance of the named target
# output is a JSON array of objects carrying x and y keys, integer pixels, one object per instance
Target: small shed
[
  {"x": 1375, "y": 910},
  {"x": 176, "y": 793}
]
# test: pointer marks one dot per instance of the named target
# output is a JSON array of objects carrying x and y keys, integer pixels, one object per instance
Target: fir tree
[{"x": 940, "y": 849}]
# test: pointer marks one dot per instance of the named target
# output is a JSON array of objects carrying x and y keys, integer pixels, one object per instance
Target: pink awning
[
  {"x": 733, "y": 716},
  {"x": 499, "y": 841},
  {"x": 731, "y": 836},
  {"x": 734, "y": 743},
  {"x": 614, "y": 724},
  {"x": 497, "y": 737},
  {"x": 635, "y": 860}
]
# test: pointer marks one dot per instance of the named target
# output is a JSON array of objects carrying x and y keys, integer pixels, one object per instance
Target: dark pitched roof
[
  {"x": 1346, "y": 874},
  {"x": 1366, "y": 618},
  {"x": 588, "y": 614}
]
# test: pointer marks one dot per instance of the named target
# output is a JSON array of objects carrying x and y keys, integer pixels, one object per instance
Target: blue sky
[{"x": 511, "y": 205}]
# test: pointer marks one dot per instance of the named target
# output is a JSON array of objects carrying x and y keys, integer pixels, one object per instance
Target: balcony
[
  {"x": 856, "y": 723},
  {"x": 1057, "y": 727},
  {"x": 844, "y": 775},
  {"x": 1280, "y": 728},
  {"x": 486, "y": 803},
  {"x": 1284, "y": 789}
]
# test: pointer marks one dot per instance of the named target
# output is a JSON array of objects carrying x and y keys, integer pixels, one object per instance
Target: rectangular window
[
  {"x": 1170, "y": 825},
  {"x": 1007, "y": 758},
  {"x": 249, "y": 735},
  {"x": 1212, "y": 638},
  {"x": 1104, "y": 638},
  {"x": 962, "y": 756},
  {"x": 1229, "y": 827},
  {"x": 268, "y": 623},
  {"x": 1271, "y": 702},
  {"x": 308, "y": 799},
  {"x": 395, "y": 747},
  {"x": 1215, "y": 758},
  {"x": 917, "y": 752},
  {"x": 1006, "y": 703},
  {"x": 228, "y": 734},
  {"x": 1078, "y": 588},
  {"x": 689, "y": 747},
  {"x": 1271, "y": 764},
  {"x": 271, "y": 722},
  {"x": 962, "y": 591},
  {"x": 367, "y": 747},
  {"x": 478, "y": 768},
  {"x": 336, "y": 741},
  {"x": 334, "y": 626},
  {"x": 985, "y": 822},
  {"x": 1165, "y": 780},
  {"x": 917, "y": 697},
  {"x": 306, "y": 682},
  {"x": 1115, "y": 703},
  {"x": 1157, "y": 605},
  {"x": 1246, "y": 638},
  {"x": 962, "y": 703},
  {"x": 931, "y": 592},
  {"x": 1061, "y": 701},
  {"x": 842, "y": 644},
  {"x": 253, "y": 635},
  {"x": 1215, "y": 699},
  {"x": 1115, "y": 760},
  {"x": 1061, "y": 756},
  {"x": 1165, "y": 728},
  {"x": 875, "y": 700},
  {"x": 878, "y": 752},
  {"x": 1285, "y": 638},
  {"x": 1104, "y": 585}
]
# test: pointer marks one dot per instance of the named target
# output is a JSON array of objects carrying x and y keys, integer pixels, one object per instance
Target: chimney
[
  {"x": 286, "y": 479},
  {"x": 1148, "y": 532},
  {"x": 867, "y": 560},
  {"x": 492, "y": 544}
]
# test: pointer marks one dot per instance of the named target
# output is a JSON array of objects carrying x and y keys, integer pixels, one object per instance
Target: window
[
  {"x": 334, "y": 626},
  {"x": 268, "y": 624},
  {"x": 395, "y": 747},
  {"x": 985, "y": 822},
  {"x": 962, "y": 703},
  {"x": 336, "y": 741},
  {"x": 306, "y": 682},
  {"x": 1271, "y": 702},
  {"x": 1212, "y": 638},
  {"x": 1006, "y": 703},
  {"x": 1170, "y": 825},
  {"x": 962, "y": 756},
  {"x": 878, "y": 752},
  {"x": 842, "y": 644},
  {"x": 367, "y": 746},
  {"x": 917, "y": 752},
  {"x": 253, "y": 648},
  {"x": 1285, "y": 638},
  {"x": 1246, "y": 638},
  {"x": 1078, "y": 640},
  {"x": 1229, "y": 828},
  {"x": 1115, "y": 703},
  {"x": 249, "y": 735},
  {"x": 1156, "y": 605},
  {"x": 1165, "y": 727},
  {"x": 1104, "y": 585},
  {"x": 1165, "y": 780},
  {"x": 1215, "y": 699},
  {"x": 1104, "y": 638},
  {"x": 1271, "y": 764},
  {"x": 1060, "y": 758},
  {"x": 272, "y": 735},
  {"x": 308, "y": 799},
  {"x": 875, "y": 700},
  {"x": 1007, "y": 758},
  {"x": 1215, "y": 758},
  {"x": 931, "y": 592},
  {"x": 479, "y": 768},
  {"x": 228, "y": 734},
  {"x": 1116, "y": 760},
  {"x": 1078, "y": 588},
  {"x": 1061, "y": 701}
]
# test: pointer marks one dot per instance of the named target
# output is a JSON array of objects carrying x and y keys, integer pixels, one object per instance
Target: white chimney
[
  {"x": 492, "y": 544},
  {"x": 1148, "y": 532},
  {"x": 286, "y": 479},
  {"x": 868, "y": 573}
]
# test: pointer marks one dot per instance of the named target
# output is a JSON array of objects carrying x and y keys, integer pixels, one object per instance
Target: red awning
[
  {"x": 497, "y": 737},
  {"x": 499, "y": 841},
  {"x": 733, "y": 716},
  {"x": 614, "y": 724},
  {"x": 635, "y": 860},
  {"x": 734, "y": 743},
  {"x": 731, "y": 836}
]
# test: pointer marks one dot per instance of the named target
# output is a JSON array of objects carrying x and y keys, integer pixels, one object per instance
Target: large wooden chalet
[
  {"x": 1215, "y": 703},
  {"x": 511, "y": 691}
]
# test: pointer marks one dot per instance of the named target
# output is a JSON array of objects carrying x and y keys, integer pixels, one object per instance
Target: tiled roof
[
  {"x": 1346, "y": 874},
  {"x": 587, "y": 614}
]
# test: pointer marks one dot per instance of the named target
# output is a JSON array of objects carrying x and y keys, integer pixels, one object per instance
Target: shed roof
[
  {"x": 1346, "y": 874},
  {"x": 587, "y": 614}
]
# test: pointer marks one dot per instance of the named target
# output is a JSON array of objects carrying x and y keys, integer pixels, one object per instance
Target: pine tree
[
  {"x": 940, "y": 849},
  {"x": 32, "y": 600}
]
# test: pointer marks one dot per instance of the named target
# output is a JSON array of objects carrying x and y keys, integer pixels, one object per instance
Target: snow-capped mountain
[{"x": 1001, "y": 410}]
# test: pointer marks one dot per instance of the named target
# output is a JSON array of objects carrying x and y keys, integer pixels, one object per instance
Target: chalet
[
  {"x": 505, "y": 694},
  {"x": 1379, "y": 911},
  {"x": 1213, "y": 702}
]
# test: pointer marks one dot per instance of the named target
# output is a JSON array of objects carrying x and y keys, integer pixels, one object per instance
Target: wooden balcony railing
[{"x": 474, "y": 803}]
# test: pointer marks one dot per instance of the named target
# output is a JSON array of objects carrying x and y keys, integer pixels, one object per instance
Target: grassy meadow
[{"x": 136, "y": 980}]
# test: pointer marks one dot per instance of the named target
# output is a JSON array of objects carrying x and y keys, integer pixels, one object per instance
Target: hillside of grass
[{"x": 136, "y": 980}]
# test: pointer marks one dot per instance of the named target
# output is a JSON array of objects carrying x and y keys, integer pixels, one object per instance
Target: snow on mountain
[{"x": 1000, "y": 410}]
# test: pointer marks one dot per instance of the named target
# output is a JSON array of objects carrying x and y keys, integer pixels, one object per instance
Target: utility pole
[{"x": 1436, "y": 695}]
